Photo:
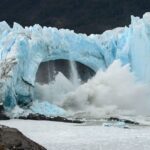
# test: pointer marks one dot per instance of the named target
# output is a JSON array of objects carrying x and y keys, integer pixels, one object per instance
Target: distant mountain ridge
[{"x": 85, "y": 16}]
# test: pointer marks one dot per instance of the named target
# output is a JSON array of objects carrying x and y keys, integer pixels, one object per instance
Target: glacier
[{"x": 23, "y": 49}]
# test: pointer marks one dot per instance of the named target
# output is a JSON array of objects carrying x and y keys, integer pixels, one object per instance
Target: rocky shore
[
  {"x": 2, "y": 114},
  {"x": 42, "y": 117},
  {"x": 12, "y": 139}
]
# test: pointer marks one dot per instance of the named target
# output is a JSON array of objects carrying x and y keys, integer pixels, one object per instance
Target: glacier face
[{"x": 23, "y": 49}]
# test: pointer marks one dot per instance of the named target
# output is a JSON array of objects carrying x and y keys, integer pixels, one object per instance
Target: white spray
[
  {"x": 109, "y": 92},
  {"x": 74, "y": 76},
  {"x": 56, "y": 90},
  {"x": 116, "y": 89}
]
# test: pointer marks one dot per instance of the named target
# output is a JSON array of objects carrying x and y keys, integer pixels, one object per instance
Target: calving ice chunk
[{"x": 30, "y": 46}]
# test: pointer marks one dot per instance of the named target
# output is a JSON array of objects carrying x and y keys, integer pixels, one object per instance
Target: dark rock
[
  {"x": 12, "y": 139},
  {"x": 123, "y": 120},
  {"x": 3, "y": 116},
  {"x": 1, "y": 108},
  {"x": 2, "y": 147},
  {"x": 42, "y": 117}
]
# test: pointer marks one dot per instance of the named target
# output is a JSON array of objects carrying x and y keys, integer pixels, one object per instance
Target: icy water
[{"x": 65, "y": 136}]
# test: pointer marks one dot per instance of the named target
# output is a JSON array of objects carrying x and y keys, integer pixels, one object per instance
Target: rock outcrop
[
  {"x": 12, "y": 139},
  {"x": 42, "y": 117},
  {"x": 3, "y": 116}
]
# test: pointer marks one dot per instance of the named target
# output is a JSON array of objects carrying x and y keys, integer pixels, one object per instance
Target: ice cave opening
[{"x": 56, "y": 78}]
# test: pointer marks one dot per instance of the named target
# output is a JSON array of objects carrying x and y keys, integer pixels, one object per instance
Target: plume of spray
[
  {"x": 115, "y": 90},
  {"x": 55, "y": 90},
  {"x": 74, "y": 76}
]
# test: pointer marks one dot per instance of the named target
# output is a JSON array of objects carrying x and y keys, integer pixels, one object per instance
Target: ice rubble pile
[{"x": 23, "y": 49}]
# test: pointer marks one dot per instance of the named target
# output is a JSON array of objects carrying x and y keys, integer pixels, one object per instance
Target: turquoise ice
[{"x": 23, "y": 49}]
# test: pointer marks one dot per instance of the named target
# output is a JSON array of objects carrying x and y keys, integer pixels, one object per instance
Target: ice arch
[
  {"x": 26, "y": 48},
  {"x": 23, "y": 49},
  {"x": 47, "y": 71}
]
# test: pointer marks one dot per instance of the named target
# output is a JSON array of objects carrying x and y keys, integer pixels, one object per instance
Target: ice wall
[{"x": 30, "y": 46}]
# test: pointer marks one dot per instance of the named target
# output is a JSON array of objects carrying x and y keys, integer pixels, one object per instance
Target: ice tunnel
[
  {"x": 24, "y": 49},
  {"x": 48, "y": 70}
]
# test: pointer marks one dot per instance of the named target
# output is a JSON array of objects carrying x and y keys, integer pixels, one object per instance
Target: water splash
[
  {"x": 115, "y": 91},
  {"x": 74, "y": 76},
  {"x": 55, "y": 91}
]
